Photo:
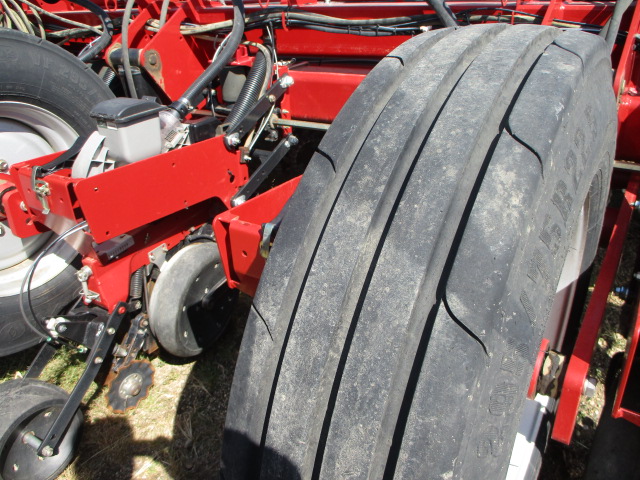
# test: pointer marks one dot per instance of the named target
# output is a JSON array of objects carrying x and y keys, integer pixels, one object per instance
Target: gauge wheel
[
  {"x": 396, "y": 324},
  {"x": 31, "y": 406},
  {"x": 191, "y": 303},
  {"x": 46, "y": 95}
]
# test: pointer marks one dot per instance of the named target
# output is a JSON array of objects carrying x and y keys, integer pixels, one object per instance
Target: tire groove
[
  {"x": 428, "y": 292},
  {"x": 367, "y": 259},
  {"x": 304, "y": 261}
]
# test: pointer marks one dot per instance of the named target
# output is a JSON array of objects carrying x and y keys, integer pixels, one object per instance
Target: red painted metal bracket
[
  {"x": 238, "y": 232},
  {"x": 129, "y": 197},
  {"x": 618, "y": 410},
  {"x": 579, "y": 362}
]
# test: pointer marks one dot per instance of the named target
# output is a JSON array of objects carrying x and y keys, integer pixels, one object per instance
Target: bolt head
[
  {"x": 286, "y": 81},
  {"x": 62, "y": 328},
  {"x": 98, "y": 360},
  {"x": 238, "y": 201},
  {"x": 111, "y": 330},
  {"x": 47, "y": 451},
  {"x": 271, "y": 98},
  {"x": 23, "y": 207},
  {"x": 4, "y": 165},
  {"x": 233, "y": 140}
]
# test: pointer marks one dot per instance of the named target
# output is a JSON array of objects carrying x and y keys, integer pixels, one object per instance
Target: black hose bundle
[
  {"x": 103, "y": 41},
  {"x": 190, "y": 97},
  {"x": 250, "y": 90}
]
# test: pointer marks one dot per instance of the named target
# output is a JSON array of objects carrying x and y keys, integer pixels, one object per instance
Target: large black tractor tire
[
  {"x": 396, "y": 324},
  {"x": 46, "y": 95}
]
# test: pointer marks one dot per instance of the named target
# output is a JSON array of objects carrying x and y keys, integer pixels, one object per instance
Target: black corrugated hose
[
  {"x": 250, "y": 90},
  {"x": 190, "y": 97}
]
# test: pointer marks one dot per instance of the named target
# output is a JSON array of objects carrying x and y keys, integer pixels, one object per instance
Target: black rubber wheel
[
  {"x": 45, "y": 98},
  {"x": 191, "y": 303},
  {"x": 397, "y": 321},
  {"x": 31, "y": 406}
]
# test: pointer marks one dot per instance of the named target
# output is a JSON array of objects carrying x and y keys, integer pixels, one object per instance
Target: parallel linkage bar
[{"x": 99, "y": 351}]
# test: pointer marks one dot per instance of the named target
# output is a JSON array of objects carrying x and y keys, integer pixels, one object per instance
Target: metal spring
[
  {"x": 137, "y": 284},
  {"x": 108, "y": 76}
]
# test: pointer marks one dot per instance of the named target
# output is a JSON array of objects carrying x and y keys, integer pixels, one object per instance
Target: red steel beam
[
  {"x": 580, "y": 359},
  {"x": 618, "y": 410}
]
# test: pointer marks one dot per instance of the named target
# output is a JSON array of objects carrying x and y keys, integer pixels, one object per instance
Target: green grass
[{"x": 175, "y": 433}]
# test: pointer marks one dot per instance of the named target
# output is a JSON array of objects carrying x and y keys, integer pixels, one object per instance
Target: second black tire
[
  {"x": 396, "y": 324},
  {"x": 47, "y": 94}
]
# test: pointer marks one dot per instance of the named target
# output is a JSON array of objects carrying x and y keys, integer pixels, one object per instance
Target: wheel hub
[{"x": 130, "y": 386}]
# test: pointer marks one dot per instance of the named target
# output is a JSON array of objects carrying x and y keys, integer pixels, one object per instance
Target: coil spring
[{"x": 137, "y": 284}]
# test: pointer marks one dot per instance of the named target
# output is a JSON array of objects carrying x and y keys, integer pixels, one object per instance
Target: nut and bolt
[
  {"x": 84, "y": 273},
  {"x": 111, "y": 330},
  {"x": 4, "y": 165},
  {"x": 153, "y": 59},
  {"x": 286, "y": 81},
  {"x": 233, "y": 140},
  {"x": 271, "y": 98},
  {"x": 291, "y": 141},
  {"x": 589, "y": 387},
  {"x": 98, "y": 360},
  {"x": 238, "y": 201},
  {"x": 47, "y": 451}
]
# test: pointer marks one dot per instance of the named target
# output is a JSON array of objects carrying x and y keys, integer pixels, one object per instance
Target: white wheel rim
[
  {"x": 28, "y": 131},
  {"x": 568, "y": 283}
]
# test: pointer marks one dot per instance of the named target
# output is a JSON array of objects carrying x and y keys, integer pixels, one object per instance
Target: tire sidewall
[{"x": 42, "y": 74}]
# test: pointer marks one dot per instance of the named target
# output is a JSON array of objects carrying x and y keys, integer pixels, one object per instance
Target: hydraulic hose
[
  {"x": 103, "y": 40},
  {"x": 444, "y": 13},
  {"x": 126, "y": 60},
  {"x": 190, "y": 97},
  {"x": 612, "y": 27},
  {"x": 250, "y": 90}
]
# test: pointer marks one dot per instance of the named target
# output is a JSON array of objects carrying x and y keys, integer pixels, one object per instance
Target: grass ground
[{"x": 176, "y": 433}]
